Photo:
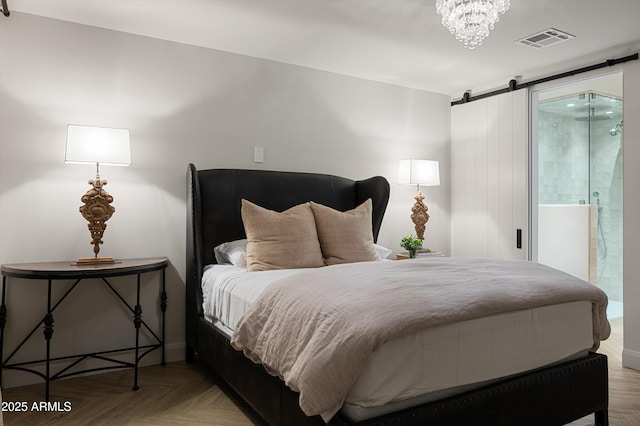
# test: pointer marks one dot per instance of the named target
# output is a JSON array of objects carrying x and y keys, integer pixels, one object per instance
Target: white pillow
[
  {"x": 232, "y": 253},
  {"x": 383, "y": 252}
]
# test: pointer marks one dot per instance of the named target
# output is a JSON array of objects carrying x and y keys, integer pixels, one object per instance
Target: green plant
[{"x": 411, "y": 244}]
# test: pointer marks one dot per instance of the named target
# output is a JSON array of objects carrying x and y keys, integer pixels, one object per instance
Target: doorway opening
[{"x": 578, "y": 146}]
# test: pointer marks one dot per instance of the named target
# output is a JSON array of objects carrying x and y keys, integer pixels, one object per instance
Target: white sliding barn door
[{"x": 489, "y": 161}]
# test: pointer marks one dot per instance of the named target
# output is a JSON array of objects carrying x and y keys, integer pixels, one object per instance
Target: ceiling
[{"x": 393, "y": 41}]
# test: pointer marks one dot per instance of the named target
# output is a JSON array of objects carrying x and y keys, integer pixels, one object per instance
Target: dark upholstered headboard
[{"x": 213, "y": 207}]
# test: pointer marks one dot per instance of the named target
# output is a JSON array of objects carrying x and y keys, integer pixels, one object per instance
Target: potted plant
[{"x": 411, "y": 244}]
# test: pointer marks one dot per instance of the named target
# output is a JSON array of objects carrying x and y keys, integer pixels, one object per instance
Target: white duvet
[{"x": 228, "y": 291}]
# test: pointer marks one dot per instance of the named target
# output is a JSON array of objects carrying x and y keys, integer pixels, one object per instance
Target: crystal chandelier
[{"x": 471, "y": 20}]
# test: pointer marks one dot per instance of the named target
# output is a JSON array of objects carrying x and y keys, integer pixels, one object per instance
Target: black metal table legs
[{"x": 47, "y": 324}]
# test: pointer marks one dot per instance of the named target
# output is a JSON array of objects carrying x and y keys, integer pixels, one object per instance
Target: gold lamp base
[
  {"x": 419, "y": 215},
  {"x": 97, "y": 209}
]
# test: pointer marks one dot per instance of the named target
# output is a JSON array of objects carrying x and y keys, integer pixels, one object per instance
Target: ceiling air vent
[{"x": 545, "y": 38}]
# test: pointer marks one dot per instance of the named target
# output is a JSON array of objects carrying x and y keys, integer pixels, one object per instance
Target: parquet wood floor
[
  {"x": 624, "y": 383},
  {"x": 181, "y": 394},
  {"x": 177, "y": 394}
]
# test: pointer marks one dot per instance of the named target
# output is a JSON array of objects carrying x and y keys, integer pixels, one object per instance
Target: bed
[{"x": 557, "y": 393}]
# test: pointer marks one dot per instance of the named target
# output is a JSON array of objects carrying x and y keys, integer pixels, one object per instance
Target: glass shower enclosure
[{"x": 580, "y": 153}]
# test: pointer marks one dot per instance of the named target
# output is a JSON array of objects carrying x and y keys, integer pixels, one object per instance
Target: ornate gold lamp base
[
  {"x": 420, "y": 217},
  {"x": 97, "y": 209}
]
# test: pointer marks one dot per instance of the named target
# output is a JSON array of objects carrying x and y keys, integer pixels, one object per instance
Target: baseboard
[
  {"x": 174, "y": 352},
  {"x": 631, "y": 359}
]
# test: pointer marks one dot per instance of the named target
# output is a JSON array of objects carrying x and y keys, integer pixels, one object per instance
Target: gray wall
[{"x": 181, "y": 104}]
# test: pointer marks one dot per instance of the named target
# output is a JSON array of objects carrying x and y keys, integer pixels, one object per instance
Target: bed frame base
[{"x": 551, "y": 396}]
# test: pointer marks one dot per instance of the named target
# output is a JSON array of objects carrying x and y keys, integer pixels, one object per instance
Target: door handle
[{"x": 519, "y": 238}]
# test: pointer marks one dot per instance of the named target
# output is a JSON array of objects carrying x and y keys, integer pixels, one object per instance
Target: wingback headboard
[{"x": 213, "y": 208}]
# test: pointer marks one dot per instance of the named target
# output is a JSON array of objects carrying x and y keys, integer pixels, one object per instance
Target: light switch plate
[{"x": 258, "y": 154}]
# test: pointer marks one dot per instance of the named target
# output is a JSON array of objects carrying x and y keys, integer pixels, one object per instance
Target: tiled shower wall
[{"x": 574, "y": 162}]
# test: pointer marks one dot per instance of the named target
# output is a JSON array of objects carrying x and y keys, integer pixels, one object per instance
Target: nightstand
[
  {"x": 405, "y": 255},
  {"x": 50, "y": 272}
]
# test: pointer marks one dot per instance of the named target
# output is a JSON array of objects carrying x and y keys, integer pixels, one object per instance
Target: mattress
[{"x": 434, "y": 362}]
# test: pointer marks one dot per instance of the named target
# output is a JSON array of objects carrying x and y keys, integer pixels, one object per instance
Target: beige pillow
[
  {"x": 280, "y": 240},
  {"x": 345, "y": 237}
]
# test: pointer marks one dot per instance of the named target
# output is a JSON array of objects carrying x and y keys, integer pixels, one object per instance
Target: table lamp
[
  {"x": 419, "y": 172},
  {"x": 97, "y": 145}
]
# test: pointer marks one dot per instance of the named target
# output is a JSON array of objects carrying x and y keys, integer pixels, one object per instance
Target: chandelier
[{"x": 471, "y": 20}]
